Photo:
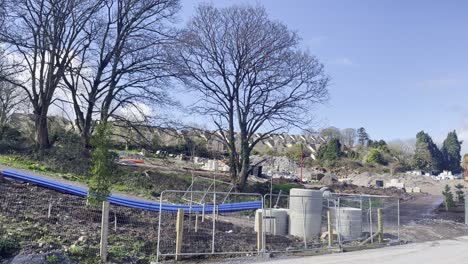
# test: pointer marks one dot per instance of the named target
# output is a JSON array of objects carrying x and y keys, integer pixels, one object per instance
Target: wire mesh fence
[
  {"x": 43, "y": 220},
  {"x": 132, "y": 235},
  {"x": 208, "y": 228},
  {"x": 334, "y": 221}
]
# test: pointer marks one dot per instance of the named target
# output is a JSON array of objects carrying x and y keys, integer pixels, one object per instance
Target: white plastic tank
[
  {"x": 305, "y": 213},
  {"x": 350, "y": 222},
  {"x": 276, "y": 221}
]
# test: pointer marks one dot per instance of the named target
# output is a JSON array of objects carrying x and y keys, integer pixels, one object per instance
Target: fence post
[
  {"x": 380, "y": 224},
  {"x": 179, "y": 232},
  {"x": 104, "y": 231},
  {"x": 203, "y": 214},
  {"x": 115, "y": 221},
  {"x": 338, "y": 223},
  {"x": 260, "y": 232},
  {"x": 330, "y": 231},
  {"x": 196, "y": 222},
  {"x": 370, "y": 221},
  {"x": 398, "y": 212},
  {"x": 466, "y": 209},
  {"x": 49, "y": 211}
]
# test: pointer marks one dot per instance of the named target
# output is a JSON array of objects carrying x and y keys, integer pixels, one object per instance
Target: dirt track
[
  {"x": 419, "y": 208},
  {"x": 419, "y": 221}
]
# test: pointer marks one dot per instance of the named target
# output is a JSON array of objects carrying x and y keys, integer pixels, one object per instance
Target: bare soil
[{"x": 24, "y": 213}]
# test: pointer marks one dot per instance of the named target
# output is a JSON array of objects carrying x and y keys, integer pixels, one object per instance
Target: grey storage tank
[
  {"x": 276, "y": 221},
  {"x": 350, "y": 222},
  {"x": 305, "y": 213}
]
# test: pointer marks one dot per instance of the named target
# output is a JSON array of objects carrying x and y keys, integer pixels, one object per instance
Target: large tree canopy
[
  {"x": 250, "y": 75},
  {"x": 44, "y": 37},
  {"x": 451, "y": 153},
  {"x": 427, "y": 155}
]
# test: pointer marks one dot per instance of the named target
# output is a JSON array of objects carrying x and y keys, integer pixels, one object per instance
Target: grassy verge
[
  {"x": 128, "y": 180},
  {"x": 19, "y": 162}
]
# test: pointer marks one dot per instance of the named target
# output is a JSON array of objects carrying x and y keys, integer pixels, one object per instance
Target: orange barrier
[{"x": 133, "y": 160}]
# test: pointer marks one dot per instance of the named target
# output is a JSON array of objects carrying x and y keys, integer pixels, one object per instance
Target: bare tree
[
  {"x": 331, "y": 133},
  {"x": 11, "y": 98},
  {"x": 250, "y": 76},
  {"x": 348, "y": 136},
  {"x": 44, "y": 37},
  {"x": 402, "y": 150},
  {"x": 124, "y": 64}
]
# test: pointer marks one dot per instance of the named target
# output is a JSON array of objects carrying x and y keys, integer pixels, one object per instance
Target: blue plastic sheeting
[{"x": 132, "y": 203}]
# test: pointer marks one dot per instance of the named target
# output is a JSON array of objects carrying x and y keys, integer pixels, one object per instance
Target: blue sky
[{"x": 397, "y": 67}]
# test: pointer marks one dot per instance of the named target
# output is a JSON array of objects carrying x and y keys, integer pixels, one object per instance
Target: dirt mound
[
  {"x": 355, "y": 189},
  {"x": 425, "y": 183}
]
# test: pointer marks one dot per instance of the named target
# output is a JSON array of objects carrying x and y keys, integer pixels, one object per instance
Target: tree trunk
[
  {"x": 42, "y": 131},
  {"x": 244, "y": 162}
]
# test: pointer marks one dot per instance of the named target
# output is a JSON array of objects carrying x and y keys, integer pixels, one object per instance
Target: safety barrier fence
[{"x": 238, "y": 224}]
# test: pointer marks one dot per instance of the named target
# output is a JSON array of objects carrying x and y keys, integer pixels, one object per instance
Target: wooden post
[
  {"x": 196, "y": 222},
  {"x": 179, "y": 232},
  {"x": 104, "y": 231},
  {"x": 260, "y": 232},
  {"x": 115, "y": 221},
  {"x": 380, "y": 224},
  {"x": 330, "y": 230},
  {"x": 49, "y": 212},
  {"x": 203, "y": 214}
]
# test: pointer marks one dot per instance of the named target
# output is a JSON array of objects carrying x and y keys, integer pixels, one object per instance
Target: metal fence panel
[{"x": 220, "y": 226}]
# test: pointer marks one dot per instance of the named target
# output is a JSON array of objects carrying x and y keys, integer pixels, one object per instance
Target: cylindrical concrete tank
[
  {"x": 305, "y": 213},
  {"x": 276, "y": 221},
  {"x": 350, "y": 222}
]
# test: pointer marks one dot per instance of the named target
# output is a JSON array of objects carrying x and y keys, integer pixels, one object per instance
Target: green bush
[
  {"x": 330, "y": 151},
  {"x": 11, "y": 139},
  {"x": 9, "y": 246},
  {"x": 103, "y": 165},
  {"x": 448, "y": 197},
  {"x": 375, "y": 157}
]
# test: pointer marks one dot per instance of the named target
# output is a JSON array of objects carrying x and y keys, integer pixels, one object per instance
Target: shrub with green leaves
[
  {"x": 460, "y": 193},
  {"x": 330, "y": 151},
  {"x": 103, "y": 165},
  {"x": 375, "y": 157},
  {"x": 448, "y": 197},
  {"x": 9, "y": 246}
]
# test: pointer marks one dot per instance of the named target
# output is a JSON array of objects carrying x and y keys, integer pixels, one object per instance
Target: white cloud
[{"x": 136, "y": 112}]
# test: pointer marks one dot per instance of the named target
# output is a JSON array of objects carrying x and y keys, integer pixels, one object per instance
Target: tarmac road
[{"x": 452, "y": 251}]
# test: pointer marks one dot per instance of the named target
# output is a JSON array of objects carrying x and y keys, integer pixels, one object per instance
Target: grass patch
[
  {"x": 19, "y": 162},
  {"x": 286, "y": 187}
]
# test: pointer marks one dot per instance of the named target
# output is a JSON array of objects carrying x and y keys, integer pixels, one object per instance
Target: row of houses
[
  {"x": 144, "y": 135},
  {"x": 278, "y": 143}
]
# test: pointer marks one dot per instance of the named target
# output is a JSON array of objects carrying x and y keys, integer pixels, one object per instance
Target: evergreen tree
[
  {"x": 427, "y": 155},
  {"x": 451, "y": 153},
  {"x": 363, "y": 137},
  {"x": 330, "y": 151},
  {"x": 448, "y": 197},
  {"x": 460, "y": 193}
]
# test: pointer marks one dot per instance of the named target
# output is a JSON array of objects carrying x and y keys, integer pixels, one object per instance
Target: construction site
[{"x": 209, "y": 220}]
